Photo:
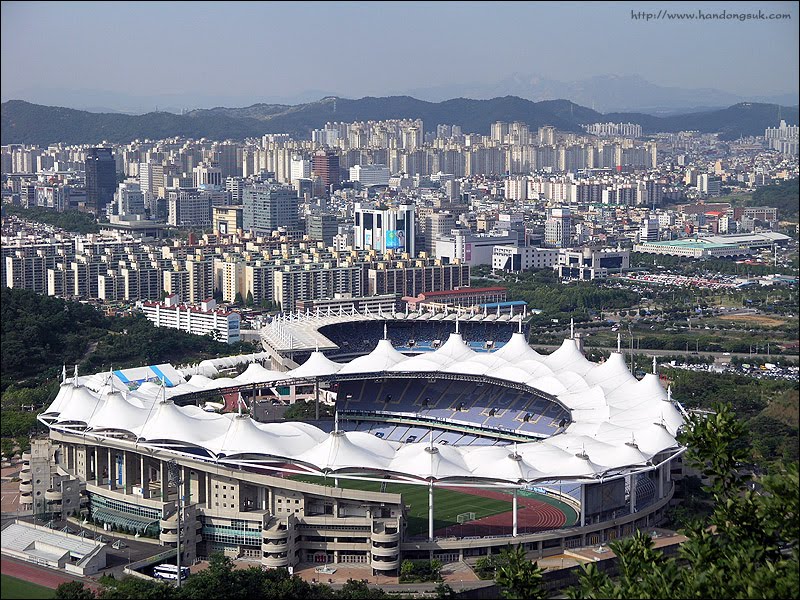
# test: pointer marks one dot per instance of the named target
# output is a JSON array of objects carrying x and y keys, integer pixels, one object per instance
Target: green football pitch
[
  {"x": 11, "y": 587},
  {"x": 447, "y": 503}
]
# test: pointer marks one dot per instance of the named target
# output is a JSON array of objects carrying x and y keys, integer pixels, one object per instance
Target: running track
[
  {"x": 39, "y": 575},
  {"x": 532, "y": 515}
]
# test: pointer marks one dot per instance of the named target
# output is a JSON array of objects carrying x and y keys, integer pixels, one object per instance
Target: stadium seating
[
  {"x": 488, "y": 406},
  {"x": 361, "y": 337}
]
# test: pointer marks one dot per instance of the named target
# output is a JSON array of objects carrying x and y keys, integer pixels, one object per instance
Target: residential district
[{"x": 361, "y": 244}]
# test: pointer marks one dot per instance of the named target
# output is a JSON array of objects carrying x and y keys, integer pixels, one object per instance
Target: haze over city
[
  {"x": 354, "y": 300},
  {"x": 134, "y": 57}
]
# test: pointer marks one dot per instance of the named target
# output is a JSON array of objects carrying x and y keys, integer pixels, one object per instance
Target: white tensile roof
[
  {"x": 617, "y": 422},
  {"x": 382, "y": 358}
]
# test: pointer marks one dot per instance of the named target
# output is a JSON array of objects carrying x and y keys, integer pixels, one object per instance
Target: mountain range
[
  {"x": 604, "y": 93},
  {"x": 26, "y": 123}
]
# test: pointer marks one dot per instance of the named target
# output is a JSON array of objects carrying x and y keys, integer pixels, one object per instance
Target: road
[{"x": 653, "y": 352}]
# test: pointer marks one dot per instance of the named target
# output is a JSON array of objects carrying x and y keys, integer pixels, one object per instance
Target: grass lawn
[
  {"x": 447, "y": 504},
  {"x": 11, "y": 587}
]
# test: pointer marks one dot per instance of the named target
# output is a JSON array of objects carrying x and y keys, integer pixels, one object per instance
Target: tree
[
  {"x": 23, "y": 443},
  {"x": 746, "y": 548},
  {"x": 74, "y": 590},
  {"x": 238, "y": 299},
  {"x": 517, "y": 576},
  {"x": 357, "y": 589},
  {"x": 444, "y": 591},
  {"x": 130, "y": 587},
  {"x": 249, "y": 301},
  {"x": 7, "y": 448}
]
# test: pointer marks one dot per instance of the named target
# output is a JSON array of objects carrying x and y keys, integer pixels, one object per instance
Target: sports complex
[{"x": 452, "y": 438}]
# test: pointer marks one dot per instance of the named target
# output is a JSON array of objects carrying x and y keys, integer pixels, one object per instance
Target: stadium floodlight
[{"x": 175, "y": 479}]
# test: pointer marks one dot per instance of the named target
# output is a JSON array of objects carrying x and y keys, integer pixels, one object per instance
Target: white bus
[{"x": 170, "y": 572}]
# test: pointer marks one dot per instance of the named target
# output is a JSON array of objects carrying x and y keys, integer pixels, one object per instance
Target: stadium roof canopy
[{"x": 618, "y": 423}]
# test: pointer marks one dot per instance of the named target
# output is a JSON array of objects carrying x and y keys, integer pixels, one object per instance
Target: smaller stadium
[{"x": 450, "y": 439}]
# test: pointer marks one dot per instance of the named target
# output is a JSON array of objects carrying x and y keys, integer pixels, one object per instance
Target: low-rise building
[
  {"x": 205, "y": 319},
  {"x": 514, "y": 259},
  {"x": 591, "y": 263}
]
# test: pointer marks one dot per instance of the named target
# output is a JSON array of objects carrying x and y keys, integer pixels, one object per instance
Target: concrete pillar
[
  {"x": 143, "y": 479},
  {"x": 316, "y": 398},
  {"x": 187, "y": 486},
  {"x": 660, "y": 474},
  {"x": 430, "y": 512},
  {"x": 583, "y": 505},
  {"x": 162, "y": 466},
  {"x": 633, "y": 492},
  {"x": 111, "y": 469},
  {"x": 98, "y": 474},
  {"x": 514, "y": 511},
  {"x": 201, "y": 488},
  {"x": 129, "y": 470}
]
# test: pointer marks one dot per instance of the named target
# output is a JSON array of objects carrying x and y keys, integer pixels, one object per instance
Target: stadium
[{"x": 443, "y": 445}]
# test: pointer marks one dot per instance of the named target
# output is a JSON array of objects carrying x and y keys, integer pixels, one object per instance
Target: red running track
[
  {"x": 532, "y": 516},
  {"x": 38, "y": 575}
]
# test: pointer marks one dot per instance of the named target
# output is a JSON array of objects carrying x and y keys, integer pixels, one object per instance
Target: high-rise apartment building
[
  {"x": 101, "y": 179},
  {"x": 229, "y": 160}
]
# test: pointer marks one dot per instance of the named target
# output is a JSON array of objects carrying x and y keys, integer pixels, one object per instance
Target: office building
[
  {"x": 369, "y": 175},
  {"x": 130, "y": 199},
  {"x": 269, "y": 206},
  {"x": 514, "y": 259},
  {"x": 322, "y": 226},
  {"x": 385, "y": 229},
  {"x": 300, "y": 168},
  {"x": 325, "y": 164},
  {"x": 101, "y": 179},
  {"x": 205, "y": 174},
  {"x": 189, "y": 207},
  {"x": 648, "y": 230},
  {"x": 470, "y": 248},
  {"x": 226, "y": 220},
  {"x": 591, "y": 263},
  {"x": 558, "y": 228}
]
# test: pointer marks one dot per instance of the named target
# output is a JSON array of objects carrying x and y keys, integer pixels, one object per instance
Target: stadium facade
[{"x": 511, "y": 421}]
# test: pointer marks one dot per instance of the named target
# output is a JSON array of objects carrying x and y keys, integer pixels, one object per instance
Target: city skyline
[{"x": 323, "y": 47}]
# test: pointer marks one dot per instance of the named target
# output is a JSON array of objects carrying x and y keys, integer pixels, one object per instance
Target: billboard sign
[
  {"x": 395, "y": 239},
  {"x": 368, "y": 237}
]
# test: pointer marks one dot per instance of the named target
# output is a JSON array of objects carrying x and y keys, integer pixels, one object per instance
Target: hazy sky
[{"x": 282, "y": 49}]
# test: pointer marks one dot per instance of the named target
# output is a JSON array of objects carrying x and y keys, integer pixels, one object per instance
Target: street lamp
[{"x": 175, "y": 479}]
